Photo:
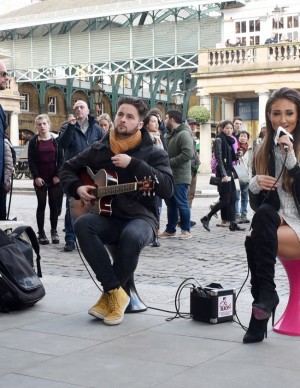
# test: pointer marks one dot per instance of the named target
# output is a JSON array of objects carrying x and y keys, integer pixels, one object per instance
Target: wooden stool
[
  {"x": 136, "y": 305},
  {"x": 289, "y": 323}
]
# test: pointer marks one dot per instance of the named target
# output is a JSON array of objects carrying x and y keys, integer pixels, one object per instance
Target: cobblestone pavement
[{"x": 216, "y": 256}]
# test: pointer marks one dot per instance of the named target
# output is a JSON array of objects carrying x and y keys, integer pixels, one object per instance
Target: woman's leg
[
  {"x": 288, "y": 243},
  {"x": 55, "y": 197},
  {"x": 265, "y": 224},
  {"x": 41, "y": 195},
  {"x": 223, "y": 202}
]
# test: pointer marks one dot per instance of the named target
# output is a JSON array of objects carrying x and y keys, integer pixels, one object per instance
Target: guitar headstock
[{"x": 146, "y": 186}]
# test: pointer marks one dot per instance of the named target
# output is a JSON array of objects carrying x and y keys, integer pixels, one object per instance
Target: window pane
[
  {"x": 251, "y": 26},
  {"x": 257, "y": 25},
  {"x": 51, "y": 104},
  {"x": 24, "y": 105},
  {"x": 237, "y": 28},
  {"x": 243, "y": 26},
  {"x": 296, "y": 21}
]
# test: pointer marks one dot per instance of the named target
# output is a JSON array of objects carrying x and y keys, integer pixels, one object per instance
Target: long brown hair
[{"x": 262, "y": 154}]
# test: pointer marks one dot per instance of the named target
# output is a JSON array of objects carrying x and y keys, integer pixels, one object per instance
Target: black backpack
[
  {"x": 25, "y": 238},
  {"x": 20, "y": 286}
]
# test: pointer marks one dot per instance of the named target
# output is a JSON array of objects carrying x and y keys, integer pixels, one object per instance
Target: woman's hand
[
  {"x": 55, "y": 180},
  {"x": 266, "y": 182},
  {"x": 39, "y": 182},
  {"x": 285, "y": 141},
  {"x": 225, "y": 179}
]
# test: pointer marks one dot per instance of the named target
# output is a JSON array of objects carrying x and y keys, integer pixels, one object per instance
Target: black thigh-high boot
[
  {"x": 265, "y": 225},
  {"x": 257, "y": 329}
]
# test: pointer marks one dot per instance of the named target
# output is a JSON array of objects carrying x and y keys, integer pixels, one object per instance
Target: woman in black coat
[{"x": 225, "y": 156}]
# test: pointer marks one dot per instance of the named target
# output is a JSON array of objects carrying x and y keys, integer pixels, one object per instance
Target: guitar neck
[{"x": 107, "y": 191}]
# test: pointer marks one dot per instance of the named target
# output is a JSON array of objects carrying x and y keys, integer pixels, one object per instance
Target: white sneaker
[{"x": 185, "y": 236}]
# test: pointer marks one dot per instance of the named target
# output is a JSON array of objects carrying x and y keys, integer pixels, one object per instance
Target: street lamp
[
  {"x": 97, "y": 92},
  {"x": 178, "y": 97}
]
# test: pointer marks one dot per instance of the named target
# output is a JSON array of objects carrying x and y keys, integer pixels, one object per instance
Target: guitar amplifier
[{"x": 212, "y": 305}]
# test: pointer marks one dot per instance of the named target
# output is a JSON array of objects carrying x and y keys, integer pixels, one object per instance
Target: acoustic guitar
[{"x": 106, "y": 188}]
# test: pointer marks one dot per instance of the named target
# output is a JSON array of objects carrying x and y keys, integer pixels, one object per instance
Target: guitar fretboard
[{"x": 116, "y": 189}]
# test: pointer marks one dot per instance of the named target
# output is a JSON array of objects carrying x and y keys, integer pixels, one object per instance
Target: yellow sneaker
[
  {"x": 118, "y": 300},
  {"x": 101, "y": 308}
]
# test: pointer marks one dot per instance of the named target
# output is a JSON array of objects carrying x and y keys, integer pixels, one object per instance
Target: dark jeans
[
  {"x": 179, "y": 203},
  {"x": 130, "y": 236},
  {"x": 69, "y": 223},
  {"x": 55, "y": 197}
]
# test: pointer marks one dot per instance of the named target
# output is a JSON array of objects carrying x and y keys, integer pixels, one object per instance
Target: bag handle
[{"x": 34, "y": 242}]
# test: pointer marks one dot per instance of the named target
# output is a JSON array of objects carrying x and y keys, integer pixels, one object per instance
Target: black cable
[{"x": 86, "y": 267}]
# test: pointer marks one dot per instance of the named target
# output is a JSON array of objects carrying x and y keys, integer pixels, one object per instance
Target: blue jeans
[
  {"x": 69, "y": 223},
  {"x": 128, "y": 236},
  {"x": 243, "y": 195},
  {"x": 178, "y": 203}
]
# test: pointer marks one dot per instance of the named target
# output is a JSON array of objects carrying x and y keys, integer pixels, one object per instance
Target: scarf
[
  {"x": 228, "y": 154},
  {"x": 244, "y": 147},
  {"x": 119, "y": 146},
  {"x": 155, "y": 136}
]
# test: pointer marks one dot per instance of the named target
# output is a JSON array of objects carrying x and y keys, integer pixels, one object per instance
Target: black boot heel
[
  {"x": 264, "y": 310},
  {"x": 257, "y": 331},
  {"x": 205, "y": 222}
]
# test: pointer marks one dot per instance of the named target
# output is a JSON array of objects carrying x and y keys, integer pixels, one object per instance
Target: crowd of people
[{"x": 107, "y": 167}]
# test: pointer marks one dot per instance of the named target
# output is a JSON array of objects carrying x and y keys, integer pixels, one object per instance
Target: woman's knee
[{"x": 265, "y": 215}]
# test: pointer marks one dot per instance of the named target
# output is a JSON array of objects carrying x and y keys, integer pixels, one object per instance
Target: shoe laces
[{"x": 113, "y": 300}]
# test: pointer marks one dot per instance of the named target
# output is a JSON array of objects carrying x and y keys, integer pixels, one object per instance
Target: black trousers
[
  {"x": 130, "y": 236},
  {"x": 55, "y": 196}
]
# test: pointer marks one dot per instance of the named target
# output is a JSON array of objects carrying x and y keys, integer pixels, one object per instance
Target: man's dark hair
[
  {"x": 140, "y": 104},
  {"x": 237, "y": 118},
  {"x": 176, "y": 115}
]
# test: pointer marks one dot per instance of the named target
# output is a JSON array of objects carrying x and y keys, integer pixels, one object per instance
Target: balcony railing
[{"x": 249, "y": 58}]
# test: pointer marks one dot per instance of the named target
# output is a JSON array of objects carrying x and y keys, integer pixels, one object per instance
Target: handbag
[
  {"x": 214, "y": 180},
  {"x": 242, "y": 173}
]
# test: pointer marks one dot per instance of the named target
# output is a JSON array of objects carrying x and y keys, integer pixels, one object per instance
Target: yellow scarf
[{"x": 118, "y": 146}]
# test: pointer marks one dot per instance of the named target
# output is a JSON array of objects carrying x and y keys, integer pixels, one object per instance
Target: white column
[
  {"x": 263, "y": 96},
  {"x": 228, "y": 108},
  {"x": 205, "y": 139},
  {"x": 14, "y": 128}
]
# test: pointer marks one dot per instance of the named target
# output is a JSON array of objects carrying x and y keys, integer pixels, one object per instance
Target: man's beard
[{"x": 121, "y": 132}]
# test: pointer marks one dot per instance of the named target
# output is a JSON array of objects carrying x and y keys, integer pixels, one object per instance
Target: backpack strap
[{"x": 34, "y": 242}]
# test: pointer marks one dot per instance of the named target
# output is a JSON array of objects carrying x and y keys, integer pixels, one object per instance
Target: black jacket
[
  {"x": 73, "y": 140},
  {"x": 272, "y": 197},
  {"x": 32, "y": 157},
  {"x": 147, "y": 161}
]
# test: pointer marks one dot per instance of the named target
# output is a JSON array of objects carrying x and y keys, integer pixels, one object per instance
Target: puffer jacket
[
  {"x": 181, "y": 151},
  {"x": 73, "y": 141}
]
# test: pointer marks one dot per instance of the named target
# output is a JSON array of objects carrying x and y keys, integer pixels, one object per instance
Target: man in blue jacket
[{"x": 78, "y": 134}]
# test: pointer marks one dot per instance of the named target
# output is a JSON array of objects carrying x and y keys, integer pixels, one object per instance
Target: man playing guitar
[{"x": 127, "y": 153}]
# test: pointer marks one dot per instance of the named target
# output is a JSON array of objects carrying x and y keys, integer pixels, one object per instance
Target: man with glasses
[
  {"x": 3, "y": 126},
  {"x": 79, "y": 133}
]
